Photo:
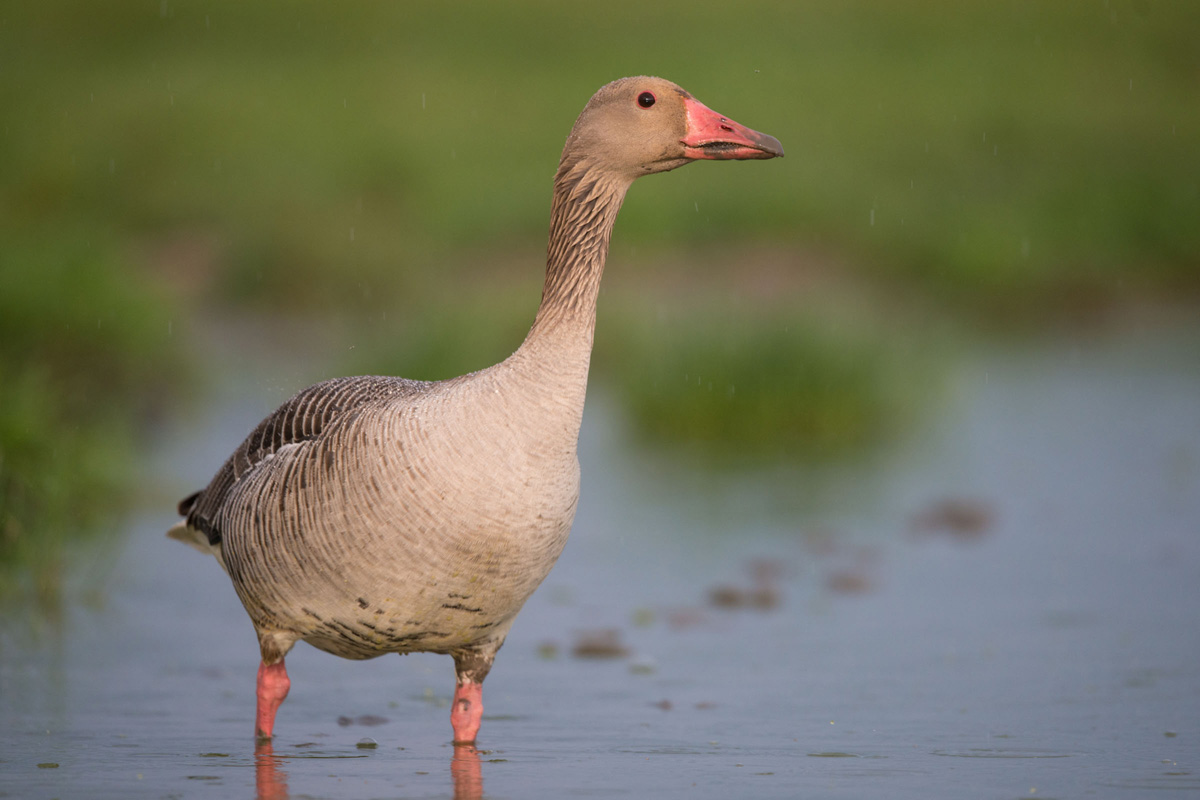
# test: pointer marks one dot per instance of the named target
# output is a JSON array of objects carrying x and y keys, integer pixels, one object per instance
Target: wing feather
[{"x": 302, "y": 418}]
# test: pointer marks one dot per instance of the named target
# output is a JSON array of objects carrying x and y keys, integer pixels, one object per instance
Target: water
[{"x": 1004, "y": 607}]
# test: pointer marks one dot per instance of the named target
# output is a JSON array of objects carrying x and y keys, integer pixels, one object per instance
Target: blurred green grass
[
  {"x": 343, "y": 154},
  {"x": 391, "y": 162},
  {"x": 85, "y": 362}
]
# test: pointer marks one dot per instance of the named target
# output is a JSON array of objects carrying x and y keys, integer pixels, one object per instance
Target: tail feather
[{"x": 182, "y": 532}]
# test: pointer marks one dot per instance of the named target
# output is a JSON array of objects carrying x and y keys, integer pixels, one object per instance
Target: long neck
[{"x": 584, "y": 209}]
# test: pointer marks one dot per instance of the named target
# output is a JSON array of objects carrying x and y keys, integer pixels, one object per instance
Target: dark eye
[{"x": 646, "y": 99}]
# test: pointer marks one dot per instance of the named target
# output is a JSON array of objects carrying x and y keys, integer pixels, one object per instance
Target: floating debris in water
[
  {"x": 548, "y": 651},
  {"x": 643, "y": 666},
  {"x": 762, "y": 597},
  {"x": 960, "y": 518},
  {"x": 763, "y": 593},
  {"x": 726, "y": 596},
  {"x": 364, "y": 719},
  {"x": 48, "y": 765},
  {"x": 367, "y": 744},
  {"x": 665, "y": 705},
  {"x": 849, "y": 582},
  {"x": 600, "y": 644}
]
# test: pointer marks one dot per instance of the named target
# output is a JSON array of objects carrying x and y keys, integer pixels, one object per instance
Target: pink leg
[
  {"x": 467, "y": 711},
  {"x": 273, "y": 685}
]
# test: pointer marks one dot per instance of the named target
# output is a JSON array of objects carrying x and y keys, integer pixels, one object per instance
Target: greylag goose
[{"x": 376, "y": 515}]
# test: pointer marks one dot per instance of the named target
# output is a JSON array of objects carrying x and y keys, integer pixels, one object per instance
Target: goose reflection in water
[{"x": 271, "y": 779}]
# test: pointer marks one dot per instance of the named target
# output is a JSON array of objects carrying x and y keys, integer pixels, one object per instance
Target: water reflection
[
  {"x": 271, "y": 779},
  {"x": 467, "y": 773}
]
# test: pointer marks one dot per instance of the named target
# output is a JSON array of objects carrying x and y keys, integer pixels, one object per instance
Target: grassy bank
[
  {"x": 85, "y": 363},
  {"x": 346, "y": 155}
]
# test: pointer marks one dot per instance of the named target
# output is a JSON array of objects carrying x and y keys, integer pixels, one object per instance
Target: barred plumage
[{"x": 376, "y": 515}]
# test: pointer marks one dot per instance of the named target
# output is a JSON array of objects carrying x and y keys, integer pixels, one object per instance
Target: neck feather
[
  {"x": 582, "y": 215},
  {"x": 555, "y": 356}
]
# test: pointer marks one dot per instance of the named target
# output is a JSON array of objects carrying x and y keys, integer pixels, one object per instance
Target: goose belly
[
  {"x": 395, "y": 563},
  {"x": 438, "y": 600}
]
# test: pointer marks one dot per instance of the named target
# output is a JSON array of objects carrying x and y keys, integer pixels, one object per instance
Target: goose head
[{"x": 638, "y": 126}]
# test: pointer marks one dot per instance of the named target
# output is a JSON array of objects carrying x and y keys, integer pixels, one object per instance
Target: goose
[{"x": 372, "y": 515}]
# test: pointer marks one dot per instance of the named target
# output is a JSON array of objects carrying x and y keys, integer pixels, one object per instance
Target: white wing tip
[{"x": 180, "y": 532}]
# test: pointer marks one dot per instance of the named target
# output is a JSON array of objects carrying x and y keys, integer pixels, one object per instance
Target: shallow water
[{"x": 1006, "y": 607}]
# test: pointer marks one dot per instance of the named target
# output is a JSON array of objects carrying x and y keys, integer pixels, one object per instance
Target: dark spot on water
[
  {"x": 964, "y": 519},
  {"x": 600, "y": 644},
  {"x": 849, "y": 582},
  {"x": 762, "y": 594},
  {"x": 834, "y": 755},
  {"x": 664, "y": 705},
  {"x": 761, "y": 597},
  {"x": 368, "y": 720},
  {"x": 48, "y": 765},
  {"x": 726, "y": 597}
]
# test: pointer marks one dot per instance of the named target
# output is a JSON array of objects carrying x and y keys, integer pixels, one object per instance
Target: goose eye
[{"x": 646, "y": 99}]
